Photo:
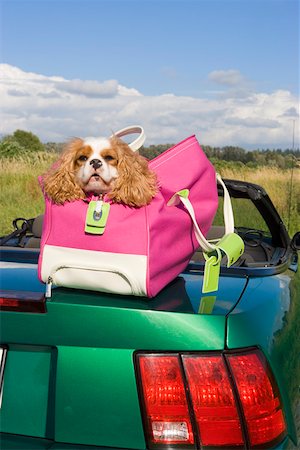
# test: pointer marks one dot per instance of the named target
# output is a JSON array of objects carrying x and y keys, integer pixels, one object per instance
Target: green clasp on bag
[
  {"x": 232, "y": 246},
  {"x": 96, "y": 217},
  {"x": 211, "y": 271}
]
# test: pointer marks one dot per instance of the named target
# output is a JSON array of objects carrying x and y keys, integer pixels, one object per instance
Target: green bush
[
  {"x": 28, "y": 140},
  {"x": 10, "y": 148},
  {"x": 19, "y": 144}
]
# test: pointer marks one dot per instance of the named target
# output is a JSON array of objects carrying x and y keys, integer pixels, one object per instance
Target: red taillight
[
  {"x": 164, "y": 395},
  {"x": 230, "y": 400},
  {"x": 213, "y": 401},
  {"x": 33, "y": 302},
  {"x": 259, "y": 397}
]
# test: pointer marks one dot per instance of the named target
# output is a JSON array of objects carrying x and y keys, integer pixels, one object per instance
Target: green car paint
[
  {"x": 92, "y": 338},
  {"x": 24, "y": 411}
]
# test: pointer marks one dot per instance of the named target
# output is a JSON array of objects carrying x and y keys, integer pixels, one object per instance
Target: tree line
[
  {"x": 23, "y": 142},
  {"x": 283, "y": 159}
]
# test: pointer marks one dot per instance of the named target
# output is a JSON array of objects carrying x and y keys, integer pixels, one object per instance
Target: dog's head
[{"x": 101, "y": 166}]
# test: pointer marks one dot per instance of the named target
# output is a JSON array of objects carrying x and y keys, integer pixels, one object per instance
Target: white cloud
[
  {"x": 56, "y": 109},
  {"x": 89, "y": 88},
  {"x": 230, "y": 77}
]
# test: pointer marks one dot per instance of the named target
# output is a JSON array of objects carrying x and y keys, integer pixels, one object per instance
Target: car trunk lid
[{"x": 70, "y": 371}]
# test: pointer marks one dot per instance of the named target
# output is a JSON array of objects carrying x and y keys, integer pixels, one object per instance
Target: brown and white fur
[{"x": 101, "y": 166}]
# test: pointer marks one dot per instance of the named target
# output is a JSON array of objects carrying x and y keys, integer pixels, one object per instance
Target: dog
[{"x": 99, "y": 166}]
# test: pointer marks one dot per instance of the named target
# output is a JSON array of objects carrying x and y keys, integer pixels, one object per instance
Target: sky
[{"x": 225, "y": 70}]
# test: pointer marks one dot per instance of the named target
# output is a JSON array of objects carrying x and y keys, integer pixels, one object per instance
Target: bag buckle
[{"x": 96, "y": 217}]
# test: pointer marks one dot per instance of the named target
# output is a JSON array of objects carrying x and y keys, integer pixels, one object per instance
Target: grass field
[
  {"x": 282, "y": 186},
  {"x": 21, "y": 195}
]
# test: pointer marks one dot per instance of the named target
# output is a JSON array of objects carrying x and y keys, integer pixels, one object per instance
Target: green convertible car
[{"x": 88, "y": 370}]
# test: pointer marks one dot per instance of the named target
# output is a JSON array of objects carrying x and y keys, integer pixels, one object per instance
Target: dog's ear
[
  {"x": 59, "y": 182},
  {"x": 136, "y": 184}
]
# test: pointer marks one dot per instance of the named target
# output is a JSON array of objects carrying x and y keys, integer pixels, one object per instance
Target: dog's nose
[{"x": 96, "y": 163}]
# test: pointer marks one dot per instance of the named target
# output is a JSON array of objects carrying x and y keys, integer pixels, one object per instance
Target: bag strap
[
  {"x": 134, "y": 129},
  {"x": 227, "y": 207},
  {"x": 230, "y": 245},
  {"x": 227, "y": 212}
]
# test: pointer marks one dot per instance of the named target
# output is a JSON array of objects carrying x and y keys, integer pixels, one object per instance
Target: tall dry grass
[
  {"x": 282, "y": 186},
  {"x": 20, "y": 193}
]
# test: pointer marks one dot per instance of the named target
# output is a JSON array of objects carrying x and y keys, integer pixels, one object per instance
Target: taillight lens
[
  {"x": 227, "y": 400},
  {"x": 259, "y": 397},
  {"x": 33, "y": 302},
  {"x": 165, "y": 401},
  {"x": 213, "y": 401}
]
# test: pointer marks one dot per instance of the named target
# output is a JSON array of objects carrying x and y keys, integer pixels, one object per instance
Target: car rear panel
[
  {"x": 99, "y": 405},
  {"x": 26, "y": 387},
  {"x": 69, "y": 374},
  {"x": 81, "y": 387}
]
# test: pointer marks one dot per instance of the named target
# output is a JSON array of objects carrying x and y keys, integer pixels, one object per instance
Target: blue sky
[{"x": 210, "y": 51}]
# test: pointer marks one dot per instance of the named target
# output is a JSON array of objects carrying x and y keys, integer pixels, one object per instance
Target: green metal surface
[
  {"x": 15, "y": 442},
  {"x": 92, "y": 325},
  {"x": 95, "y": 336},
  {"x": 11, "y": 442},
  {"x": 88, "y": 395},
  {"x": 26, "y": 390},
  {"x": 96, "y": 398}
]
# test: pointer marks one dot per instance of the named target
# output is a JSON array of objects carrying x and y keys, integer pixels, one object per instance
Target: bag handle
[
  {"x": 134, "y": 129},
  {"x": 227, "y": 212},
  {"x": 230, "y": 245},
  {"x": 227, "y": 207}
]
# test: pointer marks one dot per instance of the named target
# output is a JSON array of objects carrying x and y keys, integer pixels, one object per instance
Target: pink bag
[{"x": 141, "y": 249}]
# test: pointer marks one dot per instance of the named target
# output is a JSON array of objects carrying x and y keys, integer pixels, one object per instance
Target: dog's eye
[
  {"x": 108, "y": 158},
  {"x": 82, "y": 158}
]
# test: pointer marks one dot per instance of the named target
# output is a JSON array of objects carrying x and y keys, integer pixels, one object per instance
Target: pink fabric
[
  {"x": 163, "y": 233},
  {"x": 172, "y": 240},
  {"x": 124, "y": 232}
]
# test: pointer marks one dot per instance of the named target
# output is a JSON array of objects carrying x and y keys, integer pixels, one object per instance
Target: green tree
[{"x": 28, "y": 141}]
